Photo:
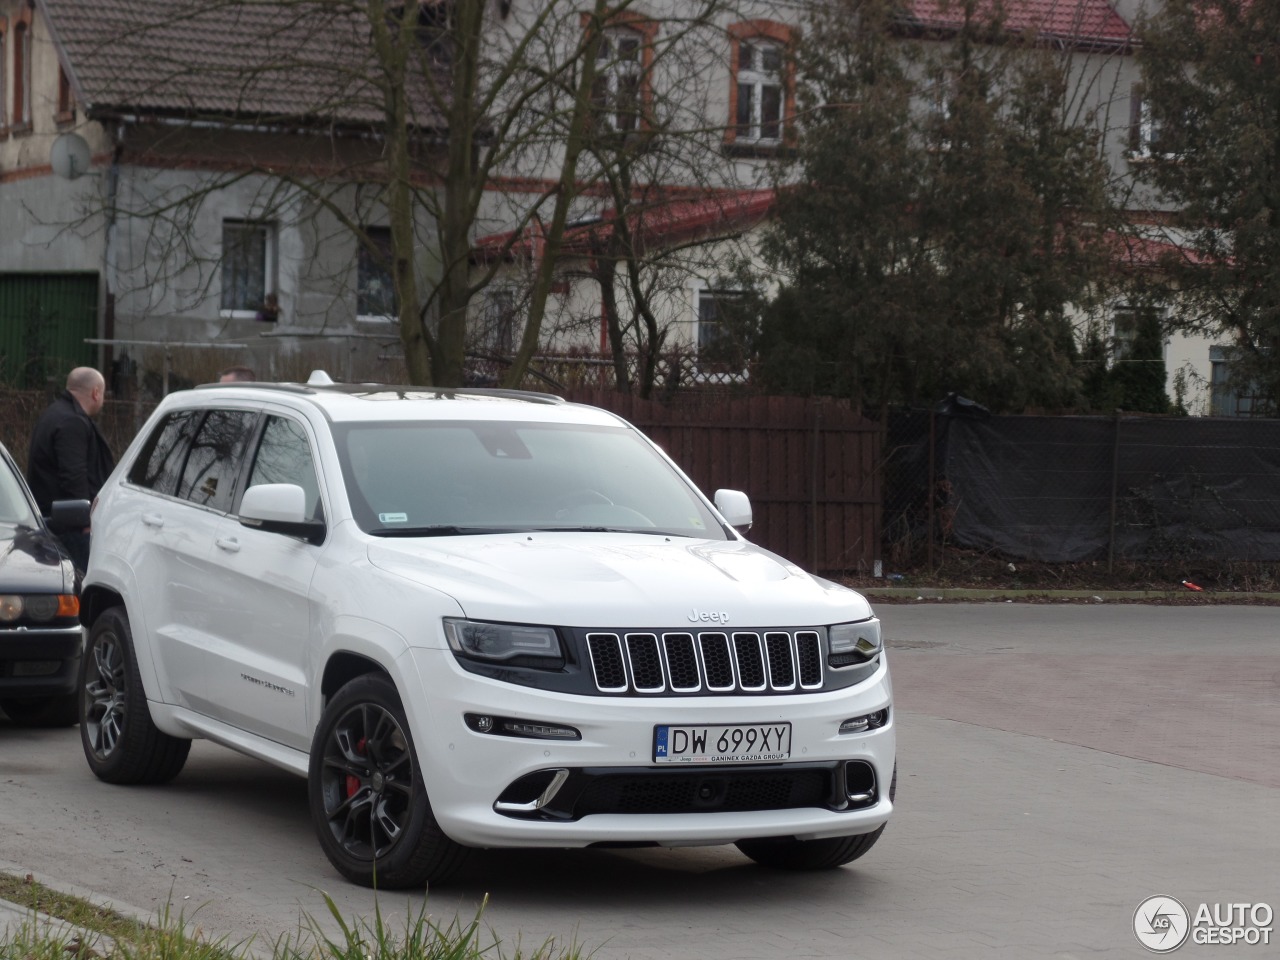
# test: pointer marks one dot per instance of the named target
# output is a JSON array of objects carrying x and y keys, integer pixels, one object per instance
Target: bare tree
[{"x": 332, "y": 115}]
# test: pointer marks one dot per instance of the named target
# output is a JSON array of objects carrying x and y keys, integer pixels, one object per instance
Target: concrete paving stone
[{"x": 1011, "y": 839}]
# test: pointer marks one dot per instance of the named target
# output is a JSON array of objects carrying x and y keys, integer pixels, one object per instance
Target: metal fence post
[
  {"x": 930, "y": 491},
  {"x": 1115, "y": 479},
  {"x": 813, "y": 489}
]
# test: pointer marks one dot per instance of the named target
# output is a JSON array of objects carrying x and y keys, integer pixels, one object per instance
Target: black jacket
[{"x": 69, "y": 458}]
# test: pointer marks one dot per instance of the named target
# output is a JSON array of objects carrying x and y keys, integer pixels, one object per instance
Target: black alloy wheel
[
  {"x": 120, "y": 741},
  {"x": 368, "y": 800}
]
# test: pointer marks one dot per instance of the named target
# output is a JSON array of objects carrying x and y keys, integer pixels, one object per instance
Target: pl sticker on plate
[{"x": 393, "y": 518}]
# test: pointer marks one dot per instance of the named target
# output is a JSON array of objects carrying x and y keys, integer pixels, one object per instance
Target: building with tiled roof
[
  {"x": 242, "y": 98},
  {"x": 1075, "y": 23},
  {"x": 299, "y": 64}
]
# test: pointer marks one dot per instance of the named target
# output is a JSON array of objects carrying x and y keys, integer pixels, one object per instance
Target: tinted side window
[
  {"x": 217, "y": 453},
  {"x": 160, "y": 462},
  {"x": 284, "y": 456}
]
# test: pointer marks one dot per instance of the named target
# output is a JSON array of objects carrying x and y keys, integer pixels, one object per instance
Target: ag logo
[{"x": 1161, "y": 924}]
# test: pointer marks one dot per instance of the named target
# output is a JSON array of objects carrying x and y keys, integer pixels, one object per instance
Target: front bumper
[
  {"x": 490, "y": 790},
  {"x": 39, "y": 661}
]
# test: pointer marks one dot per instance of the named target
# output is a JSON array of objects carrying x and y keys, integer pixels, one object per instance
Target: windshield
[
  {"x": 15, "y": 508},
  {"x": 446, "y": 478}
]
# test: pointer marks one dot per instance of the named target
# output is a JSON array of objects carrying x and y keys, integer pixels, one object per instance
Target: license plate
[{"x": 738, "y": 743}]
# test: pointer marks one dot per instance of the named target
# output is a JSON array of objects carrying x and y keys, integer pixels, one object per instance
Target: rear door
[{"x": 187, "y": 473}]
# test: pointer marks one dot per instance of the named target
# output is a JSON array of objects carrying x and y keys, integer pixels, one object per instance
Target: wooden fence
[{"x": 810, "y": 467}]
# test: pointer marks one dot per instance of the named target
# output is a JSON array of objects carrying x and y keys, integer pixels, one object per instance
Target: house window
[
  {"x": 1227, "y": 398},
  {"x": 1128, "y": 323},
  {"x": 617, "y": 93},
  {"x": 375, "y": 286},
  {"x": 760, "y": 100},
  {"x": 4, "y": 73},
  {"x": 1146, "y": 133},
  {"x": 22, "y": 75},
  {"x": 721, "y": 358},
  {"x": 248, "y": 266},
  {"x": 762, "y": 85},
  {"x": 66, "y": 105},
  {"x": 499, "y": 321}
]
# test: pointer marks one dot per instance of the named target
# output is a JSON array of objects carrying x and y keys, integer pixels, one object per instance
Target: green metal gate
[{"x": 44, "y": 320}]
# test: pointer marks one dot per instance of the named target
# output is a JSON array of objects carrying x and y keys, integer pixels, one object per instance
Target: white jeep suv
[{"x": 474, "y": 618}]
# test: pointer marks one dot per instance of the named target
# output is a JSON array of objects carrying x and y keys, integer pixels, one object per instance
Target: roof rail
[{"x": 258, "y": 384}]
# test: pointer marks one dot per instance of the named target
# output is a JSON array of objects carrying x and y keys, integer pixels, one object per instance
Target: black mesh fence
[{"x": 1070, "y": 489}]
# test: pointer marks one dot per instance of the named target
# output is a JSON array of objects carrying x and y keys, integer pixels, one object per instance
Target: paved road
[{"x": 1058, "y": 765}]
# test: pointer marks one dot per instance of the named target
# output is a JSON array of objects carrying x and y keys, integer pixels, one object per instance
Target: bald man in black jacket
[{"x": 69, "y": 458}]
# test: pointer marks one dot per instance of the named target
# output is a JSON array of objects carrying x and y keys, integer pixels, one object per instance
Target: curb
[{"x": 14, "y": 916}]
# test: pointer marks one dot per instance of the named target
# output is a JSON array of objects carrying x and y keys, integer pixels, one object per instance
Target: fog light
[
  {"x": 36, "y": 668},
  {"x": 869, "y": 721},
  {"x": 515, "y": 727}
]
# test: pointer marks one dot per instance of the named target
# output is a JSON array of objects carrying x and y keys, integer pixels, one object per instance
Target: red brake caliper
[{"x": 353, "y": 782}]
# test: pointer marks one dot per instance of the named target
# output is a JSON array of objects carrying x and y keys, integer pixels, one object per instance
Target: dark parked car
[{"x": 40, "y": 633}]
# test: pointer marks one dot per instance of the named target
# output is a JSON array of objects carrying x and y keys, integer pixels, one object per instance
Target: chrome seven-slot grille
[{"x": 771, "y": 661}]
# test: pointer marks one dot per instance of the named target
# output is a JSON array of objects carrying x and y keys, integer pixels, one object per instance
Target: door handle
[
  {"x": 229, "y": 544},
  {"x": 153, "y": 520}
]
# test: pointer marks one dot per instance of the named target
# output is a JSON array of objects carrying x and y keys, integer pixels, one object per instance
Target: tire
[
  {"x": 368, "y": 800},
  {"x": 62, "y": 711},
  {"x": 120, "y": 741},
  {"x": 788, "y": 853}
]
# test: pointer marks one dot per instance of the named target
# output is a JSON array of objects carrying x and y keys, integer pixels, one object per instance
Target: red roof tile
[
  {"x": 1081, "y": 21},
  {"x": 213, "y": 58},
  {"x": 663, "y": 223}
]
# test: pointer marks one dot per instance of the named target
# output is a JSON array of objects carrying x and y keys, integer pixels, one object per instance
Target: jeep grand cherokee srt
[{"x": 474, "y": 619}]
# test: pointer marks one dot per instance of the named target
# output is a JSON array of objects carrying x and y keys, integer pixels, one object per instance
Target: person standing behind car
[
  {"x": 69, "y": 458},
  {"x": 236, "y": 375}
]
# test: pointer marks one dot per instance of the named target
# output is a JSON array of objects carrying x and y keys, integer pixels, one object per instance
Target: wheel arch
[
  {"x": 342, "y": 667},
  {"x": 94, "y": 600}
]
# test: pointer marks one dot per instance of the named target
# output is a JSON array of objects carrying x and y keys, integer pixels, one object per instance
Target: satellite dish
[{"x": 69, "y": 156}]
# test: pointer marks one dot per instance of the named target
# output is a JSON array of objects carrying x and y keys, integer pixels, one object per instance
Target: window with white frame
[
  {"x": 498, "y": 332},
  {"x": 760, "y": 91},
  {"x": 21, "y": 75},
  {"x": 248, "y": 266},
  {"x": 375, "y": 285},
  {"x": 617, "y": 92},
  {"x": 720, "y": 351},
  {"x": 1146, "y": 133},
  {"x": 4, "y": 73},
  {"x": 1229, "y": 398},
  {"x": 1128, "y": 322}
]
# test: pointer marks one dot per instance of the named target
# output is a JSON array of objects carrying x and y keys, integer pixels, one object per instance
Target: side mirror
[
  {"x": 68, "y": 515},
  {"x": 280, "y": 508},
  {"x": 735, "y": 507}
]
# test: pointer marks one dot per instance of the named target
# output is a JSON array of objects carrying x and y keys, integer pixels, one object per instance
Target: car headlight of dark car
[{"x": 38, "y": 607}]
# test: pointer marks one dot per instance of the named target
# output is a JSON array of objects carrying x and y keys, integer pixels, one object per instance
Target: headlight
[
  {"x": 40, "y": 607},
  {"x": 852, "y": 643},
  {"x": 10, "y": 606},
  {"x": 513, "y": 643}
]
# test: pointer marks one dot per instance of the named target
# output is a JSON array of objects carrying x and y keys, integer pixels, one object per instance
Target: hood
[
  {"x": 619, "y": 580},
  {"x": 32, "y": 561}
]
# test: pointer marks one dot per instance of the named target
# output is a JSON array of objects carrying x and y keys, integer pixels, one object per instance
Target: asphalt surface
[{"x": 1058, "y": 765}]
